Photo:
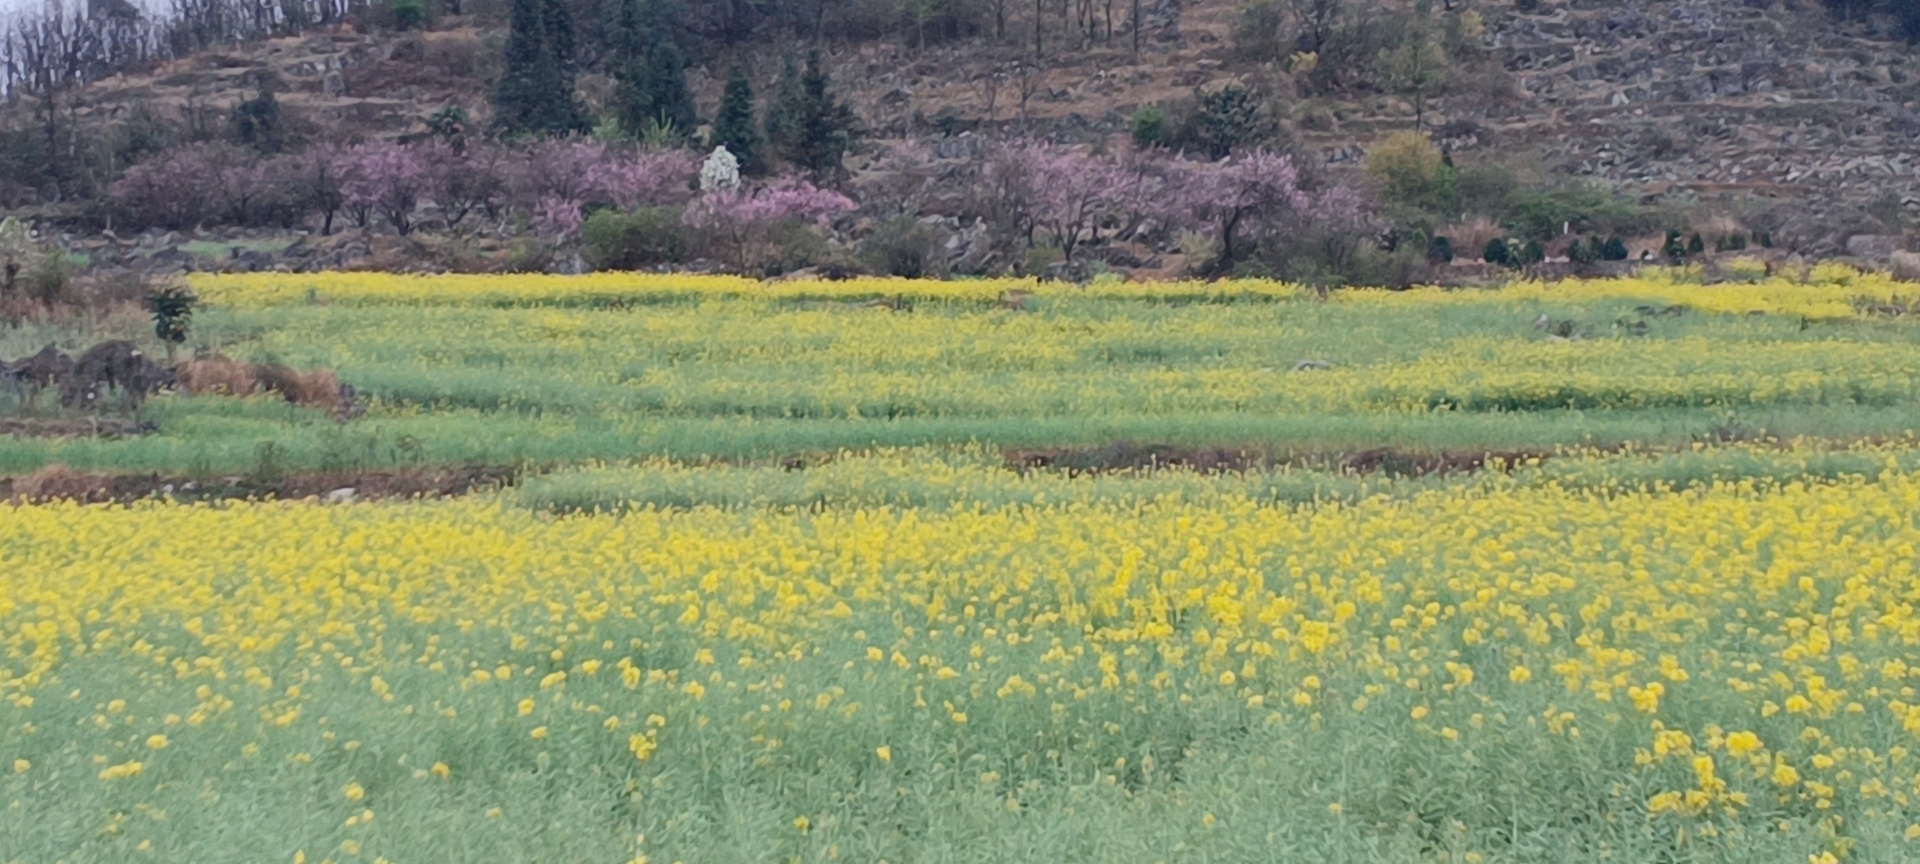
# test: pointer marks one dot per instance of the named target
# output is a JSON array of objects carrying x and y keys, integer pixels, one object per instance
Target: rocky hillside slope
[
  {"x": 1770, "y": 111},
  {"x": 1720, "y": 99}
]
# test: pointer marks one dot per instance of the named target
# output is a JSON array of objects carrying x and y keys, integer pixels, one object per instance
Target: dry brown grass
[
  {"x": 317, "y": 388},
  {"x": 1470, "y": 238},
  {"x": 58, "y": 482},
  {"x": 1905, "y": 266},
  {"x": 218, "y": 376}
]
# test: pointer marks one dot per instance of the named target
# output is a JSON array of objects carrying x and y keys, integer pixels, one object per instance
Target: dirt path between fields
[
  {"x": 58, "y": 482},
  {"x": 1126, "y": 456}
]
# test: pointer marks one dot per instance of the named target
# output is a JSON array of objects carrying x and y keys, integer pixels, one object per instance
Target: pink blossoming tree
[{"x": 746, "y": 223}]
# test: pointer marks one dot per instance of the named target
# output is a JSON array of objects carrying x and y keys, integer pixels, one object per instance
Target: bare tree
[
  {"x": 1029, "y": 80},
  {"x": 1316, "y": 20},
  {"x": 1136, "y": 28},
  {"x": 987, "y": 86},
  {"x": 1039, "y": 28}
]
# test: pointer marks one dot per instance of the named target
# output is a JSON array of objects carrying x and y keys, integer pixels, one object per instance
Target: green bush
[
  {"x": 1149, "y": 128},
  {"x": 630, "y": 241},
  {"x": 1224, "y": 120},
  {"x": 409, "y": 14},
  {"x": 905, "y": 247},
  {"x": 257, "y": 123},
  {"x": 1399, "y": 268},
  {"x": 50, "y": 280},
  {"x": 1673, "y": 248},
  {"x": 1439, "y": 251},
  {"x": 1615, "y": 249},
  {"x": 1542, "y": 214},
  {"x": 1410, "y": 171},
  {"x": 1497, "y": 252}
]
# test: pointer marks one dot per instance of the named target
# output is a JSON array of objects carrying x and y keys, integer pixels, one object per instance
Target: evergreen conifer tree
[
  {"x": 824, "y": 125},
  {"x": 650, "y": 81},
  {"x": 783, "y": 122},
  {"x": 535, "y": 91},
  {"x": 733, "y": 127},
  {"x": 667, "y": 72}
]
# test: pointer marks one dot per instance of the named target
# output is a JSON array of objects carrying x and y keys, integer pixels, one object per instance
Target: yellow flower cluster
[
  {"x": 1757, "y": 638},
  {"x": 276, "y": 289},
  {"x": 1826, "y": 291},
  {"x": 1822, "y": 292}
]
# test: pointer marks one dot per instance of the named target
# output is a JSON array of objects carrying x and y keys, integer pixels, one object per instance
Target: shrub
[
  {"x": 1543, "y": 214},
  {"x": 1372, "y": 266},
  {"x": 49, "y": 281},
  {"x": 1497, "y": 252},
  {"x": 758, "y": 229},
  {"x": 257, "y": 123},
  {"x": 409, "y": 14},
  {"x": 1734, "y": 242},
  {"x": 1696, "y": 245},
  {"x": 1439, "y": 251},
  {"x": 1410, "y": 170},
  {"x": 1149, "y": 128},
  {"x": 630, "y": 241},
  {"x": 1615, "y": 249},
  {"x": 1673, "y": 248},
  {"x": 905, "y": 247},
  {"x": 1224, "y": 119}
]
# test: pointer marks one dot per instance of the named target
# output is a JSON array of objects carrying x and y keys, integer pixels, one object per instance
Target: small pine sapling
[{"x": 172, "y": 309}]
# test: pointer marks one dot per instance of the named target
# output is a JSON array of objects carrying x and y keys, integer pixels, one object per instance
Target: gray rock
[{"x": 1874, "y": 246}]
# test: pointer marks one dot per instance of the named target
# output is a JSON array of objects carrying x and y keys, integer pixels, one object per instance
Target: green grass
[
  {"x": 676, "y": 415},
  {"x": 744, "y": 379}
]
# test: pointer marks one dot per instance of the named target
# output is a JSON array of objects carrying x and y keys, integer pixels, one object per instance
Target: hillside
[{"x": 1775, "y": 116}]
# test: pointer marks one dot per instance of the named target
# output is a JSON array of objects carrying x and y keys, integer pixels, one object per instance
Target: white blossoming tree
[{"x": 721, "y": 171}]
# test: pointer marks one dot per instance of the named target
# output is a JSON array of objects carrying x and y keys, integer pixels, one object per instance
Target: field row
[
  {"x": 1825, "y": 291},
  {"x": 540, "y": 369},
  {"x": 1010, "y": 669}
]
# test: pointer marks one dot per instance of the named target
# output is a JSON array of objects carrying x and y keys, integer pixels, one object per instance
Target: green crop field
[{"x": 988, "y": 572}]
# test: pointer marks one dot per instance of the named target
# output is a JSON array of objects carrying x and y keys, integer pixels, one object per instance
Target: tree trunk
[
  {"x": 1136, "y": 28},
  {"x": 1038, "y": 28}
]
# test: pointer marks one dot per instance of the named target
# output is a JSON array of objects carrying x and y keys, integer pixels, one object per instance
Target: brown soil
[
  {"x": 1127, "y": 456},
  {"x": 58, "y": 482}
]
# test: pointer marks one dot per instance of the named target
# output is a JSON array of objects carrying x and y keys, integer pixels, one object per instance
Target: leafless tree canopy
[{"x": 60, "y": 47}]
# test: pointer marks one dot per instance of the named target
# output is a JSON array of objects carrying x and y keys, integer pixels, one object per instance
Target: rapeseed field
[
  {"x": 1503, "y": 669},
  {"x": 1687, "y": 642}
]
